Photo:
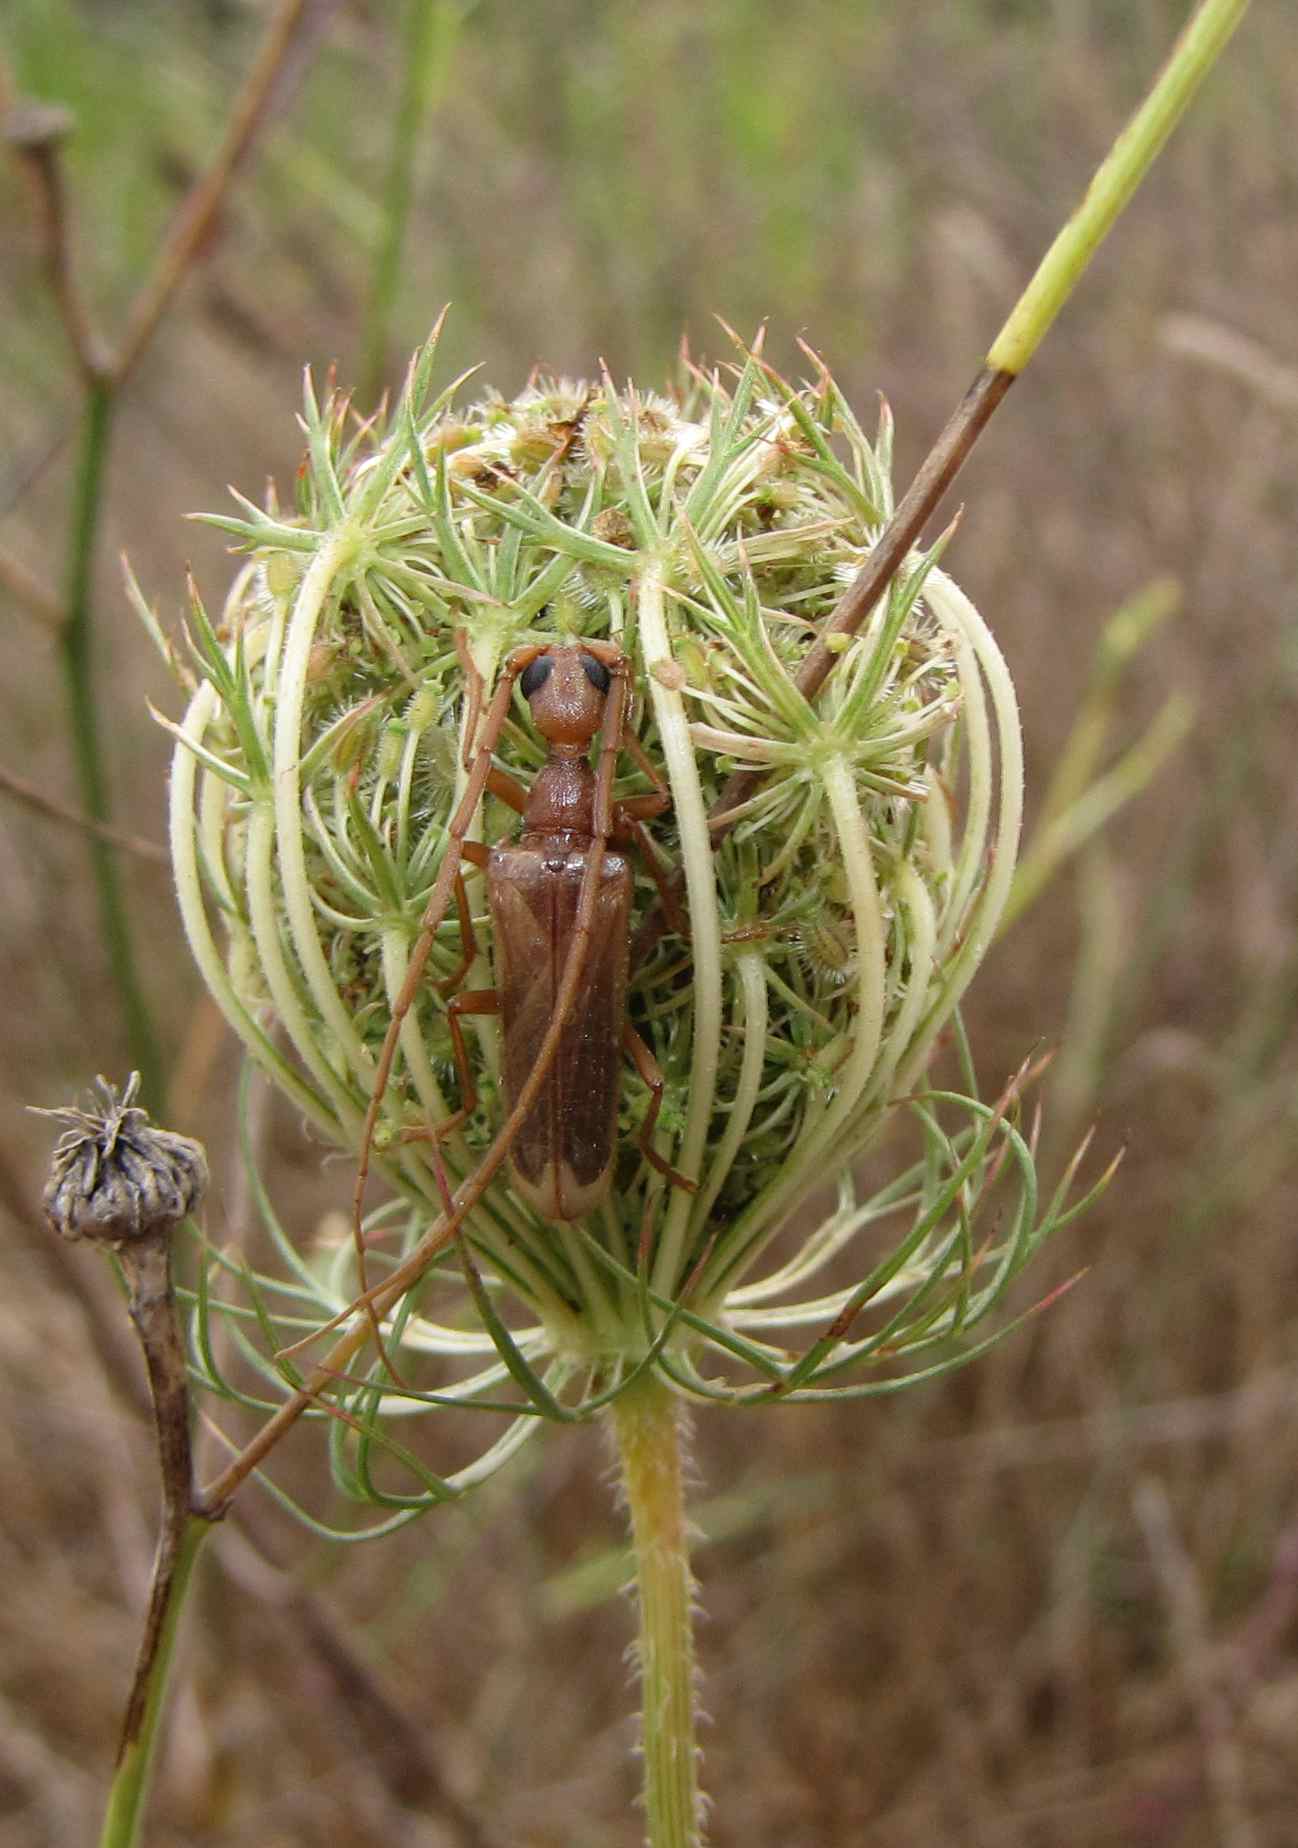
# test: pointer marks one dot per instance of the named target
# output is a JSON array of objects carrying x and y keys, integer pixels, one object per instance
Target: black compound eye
[
  {"x": 535, "y": 675},
  {"x": 596, "y": 672}
]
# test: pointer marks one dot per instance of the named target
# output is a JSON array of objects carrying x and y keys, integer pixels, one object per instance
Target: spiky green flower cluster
[{"x": 708, "y": 531}]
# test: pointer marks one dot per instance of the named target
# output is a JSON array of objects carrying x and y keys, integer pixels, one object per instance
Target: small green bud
[
  {"x": 693, "y": 660},
  {"x": 422, "y": 710},
  {"x": 391, "y": 745},
  {"x": 283, "y": 573}
]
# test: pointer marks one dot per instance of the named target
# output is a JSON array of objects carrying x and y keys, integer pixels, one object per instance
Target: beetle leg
[
  {"x": 636, "y": 751},
  {"x": 611, "y": 743},
  {"x": 475, "y": 1001},
  {"x": 468, "y": 942},
  {"x": 642, "y": 808},
  {"x": 508, "y": 788},
  {"x": 629, "y": 827},
  {"x": 667, "y": 913},
  {"x": 435, "y": 910},
  {"x": 656, "y": 801},
  {"x": 651, "y": 1072}
]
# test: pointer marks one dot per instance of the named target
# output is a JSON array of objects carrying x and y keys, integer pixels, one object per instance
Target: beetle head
[{"x": 566, "y": 689}]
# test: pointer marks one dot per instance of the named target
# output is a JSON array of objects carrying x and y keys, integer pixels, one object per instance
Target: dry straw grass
[{"x": 1052, "y": 1601}]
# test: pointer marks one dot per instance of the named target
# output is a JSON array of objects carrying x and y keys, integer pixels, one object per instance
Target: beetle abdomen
[{"x": 563, "y": 1156}]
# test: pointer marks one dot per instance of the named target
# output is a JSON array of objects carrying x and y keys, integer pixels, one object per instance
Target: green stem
[
  {"x": 1057, "y": 275},
  {"x": 178, "y": 1552},
  {"x": 647, "y": 1423},
  {"x": 1058, "y": 839},
  {"x": 76, "y": 649},
  {"x": 1116, "y": 179},
  {"x": 426, "y": 44}
]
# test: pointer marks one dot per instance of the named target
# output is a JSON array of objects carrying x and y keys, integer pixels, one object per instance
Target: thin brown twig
[
  {"x": 152, "y": 1304},
  {"x": 1261, "y": 1636},
  {"x": 1243, "y": 1663},
  {"x": 1187, "y": 1621},
  {"x": 36, "y": 133},
  {"x": 26, "y": 470},
  {"x": 28, "y": 592},
  {"x": 194, "y": 221},
  {"x": 412, "y": 1763},
  {"x": 44, "y": 804},
  {"x": 940, "y": 468}
]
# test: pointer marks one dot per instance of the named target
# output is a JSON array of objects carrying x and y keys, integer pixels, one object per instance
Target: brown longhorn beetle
[{"x": 560, "y": 904}]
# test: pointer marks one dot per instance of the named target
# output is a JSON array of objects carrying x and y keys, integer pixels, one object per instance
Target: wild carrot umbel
[{"x": 830, "y": 935}]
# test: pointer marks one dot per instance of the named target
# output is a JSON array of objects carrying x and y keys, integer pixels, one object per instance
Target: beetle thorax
[{"x": 562, "y": 798}]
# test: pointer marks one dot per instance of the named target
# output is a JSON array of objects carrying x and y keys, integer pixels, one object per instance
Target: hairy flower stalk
[
  {"x": 647, "y": 1422},
  {"x": 832, "y": 927}
]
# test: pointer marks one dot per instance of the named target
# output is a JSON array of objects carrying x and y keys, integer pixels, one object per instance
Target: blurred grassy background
[{"x": 1052, "y": 1602}]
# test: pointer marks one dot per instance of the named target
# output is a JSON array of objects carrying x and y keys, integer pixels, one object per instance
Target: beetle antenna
[{"x": 438, "y": 901}]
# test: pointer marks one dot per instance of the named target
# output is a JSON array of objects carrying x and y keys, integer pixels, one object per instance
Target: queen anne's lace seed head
[{"x": 710, "y": 533}]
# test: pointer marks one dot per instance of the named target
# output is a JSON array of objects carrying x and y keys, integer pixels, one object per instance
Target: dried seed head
[{"x": 115, "y": 1178}]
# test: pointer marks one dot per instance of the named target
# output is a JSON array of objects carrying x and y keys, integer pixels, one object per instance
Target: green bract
[{"x": 709, "y": 531}]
